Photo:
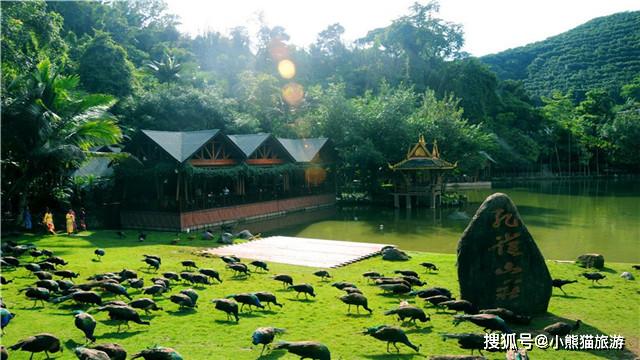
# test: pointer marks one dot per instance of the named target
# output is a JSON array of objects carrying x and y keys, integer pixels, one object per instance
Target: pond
[{"x": 566, "y": 218}]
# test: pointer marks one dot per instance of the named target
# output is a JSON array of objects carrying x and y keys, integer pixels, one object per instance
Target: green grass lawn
[{"x": 205, "y": 334}]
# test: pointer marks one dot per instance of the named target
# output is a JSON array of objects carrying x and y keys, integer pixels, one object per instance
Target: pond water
[{"x": 566, "y": 218}]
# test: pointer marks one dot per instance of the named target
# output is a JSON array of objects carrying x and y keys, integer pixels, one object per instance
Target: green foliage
[
  {"x": 104, "y": 67},
  {"x": 47, "y": 132},
  {"x": 178, "y": 107},
  {"x": 602, "y": 53}
]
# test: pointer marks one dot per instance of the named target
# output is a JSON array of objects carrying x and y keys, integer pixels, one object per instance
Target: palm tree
[
  {"x": 48, "y": 130},
  {"x": 166, "y": 70}
]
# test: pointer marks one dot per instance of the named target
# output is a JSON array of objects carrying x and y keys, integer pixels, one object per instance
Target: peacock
[
  {"x": 559, "y": 283},
  {"x": 429, "y": 266},
  {"x": 469, "y": 341},
  {"x": 154, "y": 290},
  {"x": 123, "y": 314},
  {"x": 136, "y": 283},
  {"x": 437, "y": 299},
  {"x": 267, "y": 298},
  {"x": 303, "y": 288},
  {"x": 145, "y": 304},
  {"x": 395, "y": 288},
  {"x": 189, "y": 264},
  {"x": 211, "y": 274},
  {"x": 459, "y": 305},
  {"x": 239, "y": 268},
  {"x": 260, "y": 265},
  {"x": 43, "y": 275},
  {"x": 43, "y": 342},
  {"x": 265, "y": 336},
  {"x": 228, "y": 259},
  {"x": 84, "y": 353},
  {"x": 86, "y": 323},
  {"x": 183, "y": 301},
  {"x": 115, "y": 351},
  {"x": 390, "y": 334},
  {"x": 486, "y": 321},
  {"x": 171, "y": 275},
  {"x": 411, "y": 312},
  {"x": 50, "y": 285},
  {"x": 413, "y": 281},
  {"x": 128, "y": 274},
  {"x": 357, "y": 300},
  {"x": 407, "y": 273},
  {"x": 305, "y": 349},
  {"x": 508, "y": 316},
  {"x": 116, "y": 289},
  {"x": 246, "y": 299},
  {"x": 158, "y": 353},
  {"x": 342, "y": 284},
  {"x": 37, "y": 294},
  {"x": 4, "y": 355},
  {"x": 284, "y": 278},
  {"x": 99, "y": 253},
  {"x": 64, "y": 285},
  {"x": 322, "y": 274},
  {"x": 230, "y": 307},
  {"x": 153, "y": 263},
  {"x": 562, "y": 329},
  {"x": 81, "y": 297},
  {"x": 5, "y": 317},
  {"x": 594, "y": 277}
]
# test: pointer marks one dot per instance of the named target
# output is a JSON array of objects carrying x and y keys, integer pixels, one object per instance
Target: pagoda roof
[{"x": 420, "y": 158}]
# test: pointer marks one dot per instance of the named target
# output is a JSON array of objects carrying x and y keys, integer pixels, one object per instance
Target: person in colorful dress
[
  {"x": 71, "y": 219},
  {"x": 48, "y": 221}
]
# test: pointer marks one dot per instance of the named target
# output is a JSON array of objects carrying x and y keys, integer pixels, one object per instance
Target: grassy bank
[{"x": 205, "y": 334}]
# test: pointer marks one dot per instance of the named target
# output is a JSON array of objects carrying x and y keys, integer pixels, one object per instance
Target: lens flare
[
  {"x": 287, "y": 69},
  {"x": 293, "y": 93}
]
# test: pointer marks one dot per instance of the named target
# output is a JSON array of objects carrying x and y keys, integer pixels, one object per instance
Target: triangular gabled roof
[
  {"x": 248, "y": 143},
  {"x": 303, "y": 150},
  {"x": 181, "y": 144},
  {"x": 420, "y": 158}
]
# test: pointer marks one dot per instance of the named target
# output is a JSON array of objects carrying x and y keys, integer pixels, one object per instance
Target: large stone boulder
[
  {"x": 591, "y": 261},
  {"x": 499, "y": 264},
  {"x": 391, "y": 253}
]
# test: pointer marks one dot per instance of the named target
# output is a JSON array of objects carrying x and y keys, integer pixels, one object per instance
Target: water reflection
[{"x": 566, "y": 219}]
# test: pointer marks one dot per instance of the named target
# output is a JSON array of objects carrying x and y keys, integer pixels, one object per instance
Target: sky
[{"x": 490, "y": 26}]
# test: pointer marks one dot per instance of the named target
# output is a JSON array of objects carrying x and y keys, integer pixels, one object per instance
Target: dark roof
[
  {"x": 98, "y": 167},
  {"x": 181, "y": 144},
  {"x": 422, "y": 163},
  {"x": 248, "y": 143},
  {"x": 303, "y": 150}
]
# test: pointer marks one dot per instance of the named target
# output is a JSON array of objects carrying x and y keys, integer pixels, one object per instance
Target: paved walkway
[{"x": 301, "y": 251}]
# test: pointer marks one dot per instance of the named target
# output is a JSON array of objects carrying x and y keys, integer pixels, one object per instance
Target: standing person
[
  {"x": 71, "y": 219},
  {"x": 48, "y": 221},
  {"x": 26, "y": 218},
  {"x": 75, "y": 224},
  {"x": 82, "y": 216}
]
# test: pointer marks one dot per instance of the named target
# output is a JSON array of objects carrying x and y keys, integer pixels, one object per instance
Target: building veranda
[{"x": 178, "y": 180}]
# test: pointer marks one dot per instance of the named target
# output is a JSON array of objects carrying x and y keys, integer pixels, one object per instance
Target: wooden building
[
  {"x": 196, "y": 179},
  {"x": 419, "y": 178}
]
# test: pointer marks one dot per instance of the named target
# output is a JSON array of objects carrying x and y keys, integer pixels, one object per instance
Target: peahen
[
  {"x": 559, "y": 283},
  {"x": 83, "y": 353},
  {"x": 123, "y": 314},
  {"x": 267, "y": 298},
  {"x": 411, "y": 312},
  {"x": 247, "y": 299},
  {"x": 115, "y": 351},
  {"x": 284, "y": 278}
]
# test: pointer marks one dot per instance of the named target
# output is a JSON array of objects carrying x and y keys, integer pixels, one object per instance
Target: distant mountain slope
[{"x": 604, "y": 52}]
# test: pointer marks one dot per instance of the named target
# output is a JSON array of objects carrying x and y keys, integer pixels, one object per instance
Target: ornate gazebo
[{"x": 420, "y": 176}]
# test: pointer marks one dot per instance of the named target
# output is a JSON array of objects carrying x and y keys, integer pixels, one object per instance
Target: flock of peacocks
[{"x": 113, "y": 293}]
